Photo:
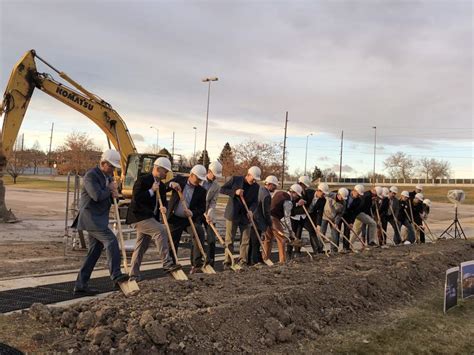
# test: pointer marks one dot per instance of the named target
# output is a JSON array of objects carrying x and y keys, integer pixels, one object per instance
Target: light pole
[
  {"x": 375, "y": 149},
  {"x": 306, "y": 153},
  {"x": 157, "y": 137},
  {"x": 207, "y": 80},
  {"x": 195, "y": 136}
]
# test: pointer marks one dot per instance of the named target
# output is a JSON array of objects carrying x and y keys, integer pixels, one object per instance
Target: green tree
[
  {"x": 317, "y": 173},
  {"x": 204, "y": 159},
  {"x": 227, "y": 160}
]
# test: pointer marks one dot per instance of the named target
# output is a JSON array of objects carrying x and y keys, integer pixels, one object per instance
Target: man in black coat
[
  {"x": 235, "y": 213},
  {"x": 195, "y": 197},
  {"x": 316, "y": 210},
  {"x": 352, "y": 210},
  {"x": 144, "y": 214}
]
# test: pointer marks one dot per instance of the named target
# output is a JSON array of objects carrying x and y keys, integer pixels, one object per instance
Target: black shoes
[
  {"x": 85, "y": 291},
  {"x": 121, "y": 278},
  {"x": 172, "y": 268}
]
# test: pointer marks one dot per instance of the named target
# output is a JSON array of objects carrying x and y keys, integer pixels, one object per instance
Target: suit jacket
[
  {"x": 143, "y": 203},
  {"x": 352, "y": 210},
  {"x": 366, "y": 203},
  {"x": 317, "y": 210},
  {"x": 95, "y": 202},
  {"x": 212, "y": 189},
  {"x": 308, "y": 196},
  {"x": 262, "y": 216},
  {"x": 235, "y": 210},
  {"x": 198, "y": 200}
]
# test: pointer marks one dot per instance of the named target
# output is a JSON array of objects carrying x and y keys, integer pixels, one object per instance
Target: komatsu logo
[{"x": 73, "y": 97}]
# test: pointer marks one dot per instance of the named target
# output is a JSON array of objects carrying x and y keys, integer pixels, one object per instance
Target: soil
[{"x": 261, "y": 309}]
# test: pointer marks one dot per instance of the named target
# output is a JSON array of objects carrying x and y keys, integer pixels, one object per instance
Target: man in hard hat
[
  {"x": 392, "y": 213},
  {"x": 97, "y": 193},
  {"x": 178, "y": 215},
  {"x": 235, "y": 213},
  {"x": 262, "y": 217},
  {"x": 418, "y": 190},
  {"x": 351, "y": 211},
  {"x": 212, "y": 187},
  {"x": 316, "y": 210},
  {"x": 418, "y": 208},
  {"x": 404, "y": 217},
  {"x": 333, "y": 210},
  {"x": 298, "y": 215},
  {"x": 382, "y": 203},
  {"x": 364, "y": 219},
  {"x": 280, "y": 210},
  {"x": 144, "y": 214}
]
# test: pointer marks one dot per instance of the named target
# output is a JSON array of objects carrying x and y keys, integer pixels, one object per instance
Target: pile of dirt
[{"x": 253, "y": 310}]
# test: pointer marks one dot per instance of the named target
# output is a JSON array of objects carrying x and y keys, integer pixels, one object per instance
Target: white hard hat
[
  {"x": 394, "y": 189},
  {"x": 271, "y": 179},
  {"x": 359, "y": 188},
  {"x": 255, "y": 172},
  {"x": 427, "y": 202},
  {"x": 216, "y": 168},
  {"x": 379, "y": 191},
  {"x": 419, "y": 187},
  {"x": 111, "y": 156},
  {"x": 305, "y": 180},
  {"x": 405, "y": 193},
  {"x": 297, "y": 188},
  {"x": 419, "y": 197},
  {"x": 323, "y": 187},
  {"x": 200, "y": 171},
  {"x": 343, "y": 192},
  {"x": 385, "y": 191},
  {"x": 163, "y": 162}
]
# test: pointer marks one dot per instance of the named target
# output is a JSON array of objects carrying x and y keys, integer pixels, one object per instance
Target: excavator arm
[{"x": 25, "y": 78}]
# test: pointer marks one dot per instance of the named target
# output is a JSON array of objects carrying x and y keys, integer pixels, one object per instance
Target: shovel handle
[
  {"x": 168, "y": 230},
  {"x": 120, "y": 234},
  {"x": 254, "y": 227},
  {"x": 318, "y": 233},
  {"x": 353, "y": 231},
  {"x": 340, "y": 232},
  {"x": 213, "y": 227},
  {"x": 193, "y": 227},
  {"x": 395, "y": 219}
]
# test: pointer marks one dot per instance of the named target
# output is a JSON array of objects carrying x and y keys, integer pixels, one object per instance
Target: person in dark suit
[
  {"x": 97, "y": 192},
  {"x": 144, "y": 214},
  {"x": 316, "y": 210},
  {"x": 262, "y": 218},
  {"x": 235, "y": 214},
  {"x": 195, "y": 197},
  {"x": 352, "y": 210}
]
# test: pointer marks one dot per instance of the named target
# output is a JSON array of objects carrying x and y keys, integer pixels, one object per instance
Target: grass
[
  {"x": 419, "y": 329},
  {"x": 35, "y": 183}
]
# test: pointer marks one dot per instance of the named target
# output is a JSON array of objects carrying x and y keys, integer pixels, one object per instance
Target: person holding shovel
[
  {"x": 194, "y": 207},
  {"x": 236, "y": 215},
  {"x": 333, "y": 210},
  {"x": 404, "y": 218},
  {"x": 316, "y": 210},
  {"x": 97, "y": 193},
  {"x": 392, "y": 213},
  {"x": 144, "y": 215}
]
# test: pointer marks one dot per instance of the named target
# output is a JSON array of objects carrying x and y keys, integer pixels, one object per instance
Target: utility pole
[
  {"x": 284, "y": 151},
  {"x": 49, "y": 152},
  {"x": 207, "y": 80},
  {"x": 375, "y": 150},
  {"x": 340, "y": 157},
  {"x": 306, "y": 154},
  {"x": 172, "y": 148}
]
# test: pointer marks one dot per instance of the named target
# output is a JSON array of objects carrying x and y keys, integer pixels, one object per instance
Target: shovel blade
[
  {"x": 129, "y": 288},
  {"x": 268, "y": 262},
  {"x": 179, "y": 275},
  {"x": 236, "y": 267},
  {"x": 208, "y": 269}
]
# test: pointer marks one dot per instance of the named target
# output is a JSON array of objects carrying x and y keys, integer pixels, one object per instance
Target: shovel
[
  {"x": 380, "y": 224},
  {"x": 129, "y": 287},
  {"x": 320, "y": 235},
  {"x": 364, "y": 246},
  {"x": 266, "y": 258},
  {"x": 233, "y": 266},
  {"x": 298, "y": 243},
  {"x": 395, "y": 219},
  {"x": 206, "y": 268},
  {"x": 432, "y": 237},
  {"x": 179, "y": 273},
  {"x": 333, "y": 225}
]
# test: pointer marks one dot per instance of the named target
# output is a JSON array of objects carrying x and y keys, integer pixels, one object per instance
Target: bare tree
[
  {"x": 425, "y": 166},
  {"x": 78, "y": 154},
  {"x": 440, "y": 169},
  {"x": 267, "y": 156},
  {"x": 399, "y": 165}
]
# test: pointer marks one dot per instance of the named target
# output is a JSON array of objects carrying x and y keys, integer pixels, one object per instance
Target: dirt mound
[{"x": 253, "y": 310}]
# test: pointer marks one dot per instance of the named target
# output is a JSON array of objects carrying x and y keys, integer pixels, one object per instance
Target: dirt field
[{"x": 345, "y": 303}]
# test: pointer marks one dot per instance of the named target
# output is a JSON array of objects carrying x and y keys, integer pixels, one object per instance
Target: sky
[{"x": 405, "y": 67}]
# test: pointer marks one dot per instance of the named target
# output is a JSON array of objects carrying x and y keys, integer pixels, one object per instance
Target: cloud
[
  {"x": 138, "y": 137},
  {"x": 324, "y": 158},
  {"x": 345, "y": 168}
]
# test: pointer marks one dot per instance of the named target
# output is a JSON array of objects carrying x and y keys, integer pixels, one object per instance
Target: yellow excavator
[{"x": 23, "y": 81}]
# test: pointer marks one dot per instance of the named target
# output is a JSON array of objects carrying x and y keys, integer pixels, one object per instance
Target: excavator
[{"x": 21, "y": 85}]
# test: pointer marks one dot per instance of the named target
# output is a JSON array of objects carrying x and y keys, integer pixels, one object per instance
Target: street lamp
[
  {"x": 306, "y": 153},
  {"x": 207, "y": 80},
  {"x": 157, "y": 136},
  {"x": 195, "y": 135},
  {"x": 375, "y": 148}
]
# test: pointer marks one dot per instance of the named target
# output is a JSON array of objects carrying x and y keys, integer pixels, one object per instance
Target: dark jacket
[
  {"x": 235, "y": 210},
  {"x": 317, "y": 211},
  {"x": 198, "y": 200},
  {"x": 383, "y": 207},
  {"x": 143, "y": 203},
  {"x": 95, "y": 202},
  {"x": 352, "y": 209},
  {"x": 277, "y": 206},
  {"x": 308, "y": 195},
  {"x": 417, "y": 212},
  {"x": 402, "y": 216},
  {"x": 366, "y": 203},
  {"x": 262, "y": 216},
  {"x": 395, "y": 207}
]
